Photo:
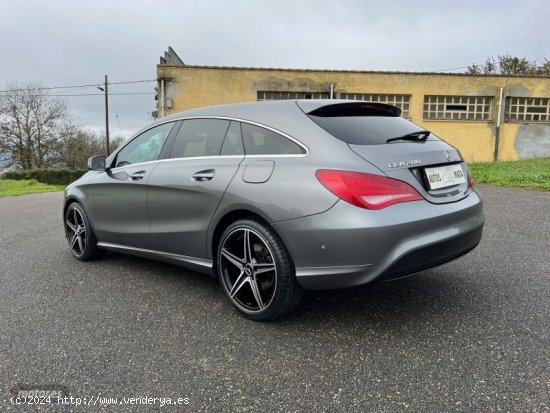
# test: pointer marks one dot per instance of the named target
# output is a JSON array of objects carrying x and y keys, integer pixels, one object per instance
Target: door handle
[
  {"x": 203, "y": 176},
  {"x": 136, "y": 176}
]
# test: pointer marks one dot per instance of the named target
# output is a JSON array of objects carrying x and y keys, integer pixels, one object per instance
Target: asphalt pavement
[{"x": 470, "y": 336}]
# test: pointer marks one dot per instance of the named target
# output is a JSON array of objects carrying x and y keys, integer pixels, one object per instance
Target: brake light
[
  {"x": 366, "y": 190},
  {"x": 470, "y": 177}
]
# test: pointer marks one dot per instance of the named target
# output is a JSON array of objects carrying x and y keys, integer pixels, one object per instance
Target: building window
[
  {"x": 527, "y": 109},
  {"x": 403, "y": 102},
  {"x": 265, "y": 95},
  {"x": 458, "y": 107}
]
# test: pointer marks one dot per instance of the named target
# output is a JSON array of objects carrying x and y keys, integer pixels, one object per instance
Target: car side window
[
  {"x": 233, "y": 142},
  {"x": 261, "y": 141},
  {"x": 145, "y": 147},
  {"x": 199, "y": 137}
]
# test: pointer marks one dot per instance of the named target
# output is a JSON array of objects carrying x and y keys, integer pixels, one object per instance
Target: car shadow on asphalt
[{"x": 432, "y": 294}]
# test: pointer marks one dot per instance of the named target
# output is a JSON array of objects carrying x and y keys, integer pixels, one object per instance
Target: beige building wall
[{"x": 187, "y": 87}]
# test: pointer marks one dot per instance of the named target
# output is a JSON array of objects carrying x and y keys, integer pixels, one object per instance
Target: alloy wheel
[
  {"x": 76, "y": 231},
  {"x": 249, "y": 271}
]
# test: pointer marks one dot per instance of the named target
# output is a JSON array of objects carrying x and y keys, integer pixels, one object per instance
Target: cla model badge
[
  {"x": 412, "y": 162},
  {"x": 448, "y": 155}
]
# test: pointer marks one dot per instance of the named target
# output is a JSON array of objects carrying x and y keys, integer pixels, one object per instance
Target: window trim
[
  {"x": 113, "y": 157},
  {"x": 173, "y": 142},
  {"x": 261, "y": 126},
  {"x": 277, "y": 133},
  {"x": 178, "y": 119}
]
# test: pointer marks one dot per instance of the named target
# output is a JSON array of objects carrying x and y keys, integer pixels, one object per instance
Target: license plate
[{"x": 444, "y": 176}]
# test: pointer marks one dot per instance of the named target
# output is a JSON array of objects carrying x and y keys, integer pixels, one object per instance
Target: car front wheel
[
  {"x": 256, "y": 271},
  {"x": 80, "y": 235}
]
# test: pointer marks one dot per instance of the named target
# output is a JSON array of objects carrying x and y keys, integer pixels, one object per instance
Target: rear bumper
[{"x": 348, "y": 246}]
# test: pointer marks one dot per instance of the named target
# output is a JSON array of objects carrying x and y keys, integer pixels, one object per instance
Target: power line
[
  {"x": 97, "y": 94},
  {"x": 448, "y": 70},
  {"x": 133, "y": 81},
  {"x": 101, "y": 94},
  {"x": 78, "y": 86},
  {"x": 116, "y": 113}
]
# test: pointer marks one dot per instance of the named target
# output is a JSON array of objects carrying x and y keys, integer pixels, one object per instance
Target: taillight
[
  {"x": 470, "y": 177},
  {"x": 366, "y": 190}
]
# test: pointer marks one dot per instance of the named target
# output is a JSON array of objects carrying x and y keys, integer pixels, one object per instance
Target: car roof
[
  {"x": 287, "y": 116},
  {"x": 246, "y": 110}
]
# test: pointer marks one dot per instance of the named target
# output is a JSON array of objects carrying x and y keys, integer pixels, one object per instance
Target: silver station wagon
[{"x": 277, "y": 197}]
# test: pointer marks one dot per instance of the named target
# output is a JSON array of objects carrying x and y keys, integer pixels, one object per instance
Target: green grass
[
  {"x": 528, "y": 174},
  {"x": 9, "y": 187}
]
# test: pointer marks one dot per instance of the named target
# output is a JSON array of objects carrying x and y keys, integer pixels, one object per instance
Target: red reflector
[{"x": 366, "y": 190}]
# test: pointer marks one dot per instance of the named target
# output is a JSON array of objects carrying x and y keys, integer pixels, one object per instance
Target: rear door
[{"x": 185, "y": 190}]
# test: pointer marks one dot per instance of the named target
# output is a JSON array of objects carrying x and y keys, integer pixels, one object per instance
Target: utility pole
[
  {"x": 105, "y": 89},
  {"x": 107, "y": 116}
]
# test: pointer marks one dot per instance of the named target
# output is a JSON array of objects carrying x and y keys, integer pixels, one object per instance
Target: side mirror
[{"x": 97, "y": 163}]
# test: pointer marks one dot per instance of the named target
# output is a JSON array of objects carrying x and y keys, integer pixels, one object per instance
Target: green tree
[{"x": 511, "y": 65}]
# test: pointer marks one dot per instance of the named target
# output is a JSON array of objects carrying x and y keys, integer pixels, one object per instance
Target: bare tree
[
  {"x": 30, "y": 124},
  {"x": 78, "y": 144},
  {"x": 511, "y": 65}
]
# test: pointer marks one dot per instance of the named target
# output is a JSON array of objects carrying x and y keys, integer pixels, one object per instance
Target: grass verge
[
  {"x": 528, "y": 174},
  {"x": 9, "y": 187}
]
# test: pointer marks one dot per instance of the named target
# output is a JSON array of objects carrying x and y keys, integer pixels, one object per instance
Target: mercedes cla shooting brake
[{"x": 276, "y": 197}]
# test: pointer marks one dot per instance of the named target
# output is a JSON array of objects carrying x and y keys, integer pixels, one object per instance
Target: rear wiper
[{"x": 421, "y": 135}]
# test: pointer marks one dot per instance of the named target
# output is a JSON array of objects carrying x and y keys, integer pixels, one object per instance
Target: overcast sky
[{"x": 77, "y": 42}]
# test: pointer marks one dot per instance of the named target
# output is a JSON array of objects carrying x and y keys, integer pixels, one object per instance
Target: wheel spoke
[
  {"x": 233, "y": 259},
  {"x": 247, "y": 253},
  {"x": 261, "y": 268},
  {"x": 242, "y": 279},
  {"x": 81, "y": 244},
  {"x": 73, "y": 241},
  {"x": 70, "y": 225},
  {"x": 256, "y": 292},
  {"x": 75, "y": 217}
]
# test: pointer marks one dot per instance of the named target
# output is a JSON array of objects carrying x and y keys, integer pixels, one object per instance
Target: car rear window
[
  {"x": 261, "y": 141},
  {"x": 363, "y": 124}
]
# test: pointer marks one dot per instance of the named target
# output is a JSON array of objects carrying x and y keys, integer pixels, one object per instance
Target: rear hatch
[{"x": 397, "y": 147}]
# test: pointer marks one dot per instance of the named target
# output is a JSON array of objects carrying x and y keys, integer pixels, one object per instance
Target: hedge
[{"x": 46, "y": 176}]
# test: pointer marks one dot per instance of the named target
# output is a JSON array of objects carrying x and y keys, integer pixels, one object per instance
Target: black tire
[
  {"x": 80, "y": 234},
  {"x": 265, "y": 263}
]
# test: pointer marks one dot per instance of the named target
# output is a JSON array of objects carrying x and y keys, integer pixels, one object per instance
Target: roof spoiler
[{"x": 356, "y": 109}]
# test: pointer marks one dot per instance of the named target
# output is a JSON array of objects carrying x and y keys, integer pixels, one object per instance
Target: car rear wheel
[
  {"x": 256, "y": 271},
  {"x": 81, "y": 237}
]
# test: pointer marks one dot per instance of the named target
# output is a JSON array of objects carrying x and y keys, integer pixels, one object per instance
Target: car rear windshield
[{"x": 363, "y": 123}]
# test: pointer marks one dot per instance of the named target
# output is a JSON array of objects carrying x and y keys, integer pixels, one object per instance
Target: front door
[{"x": 119, "y": 196}]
